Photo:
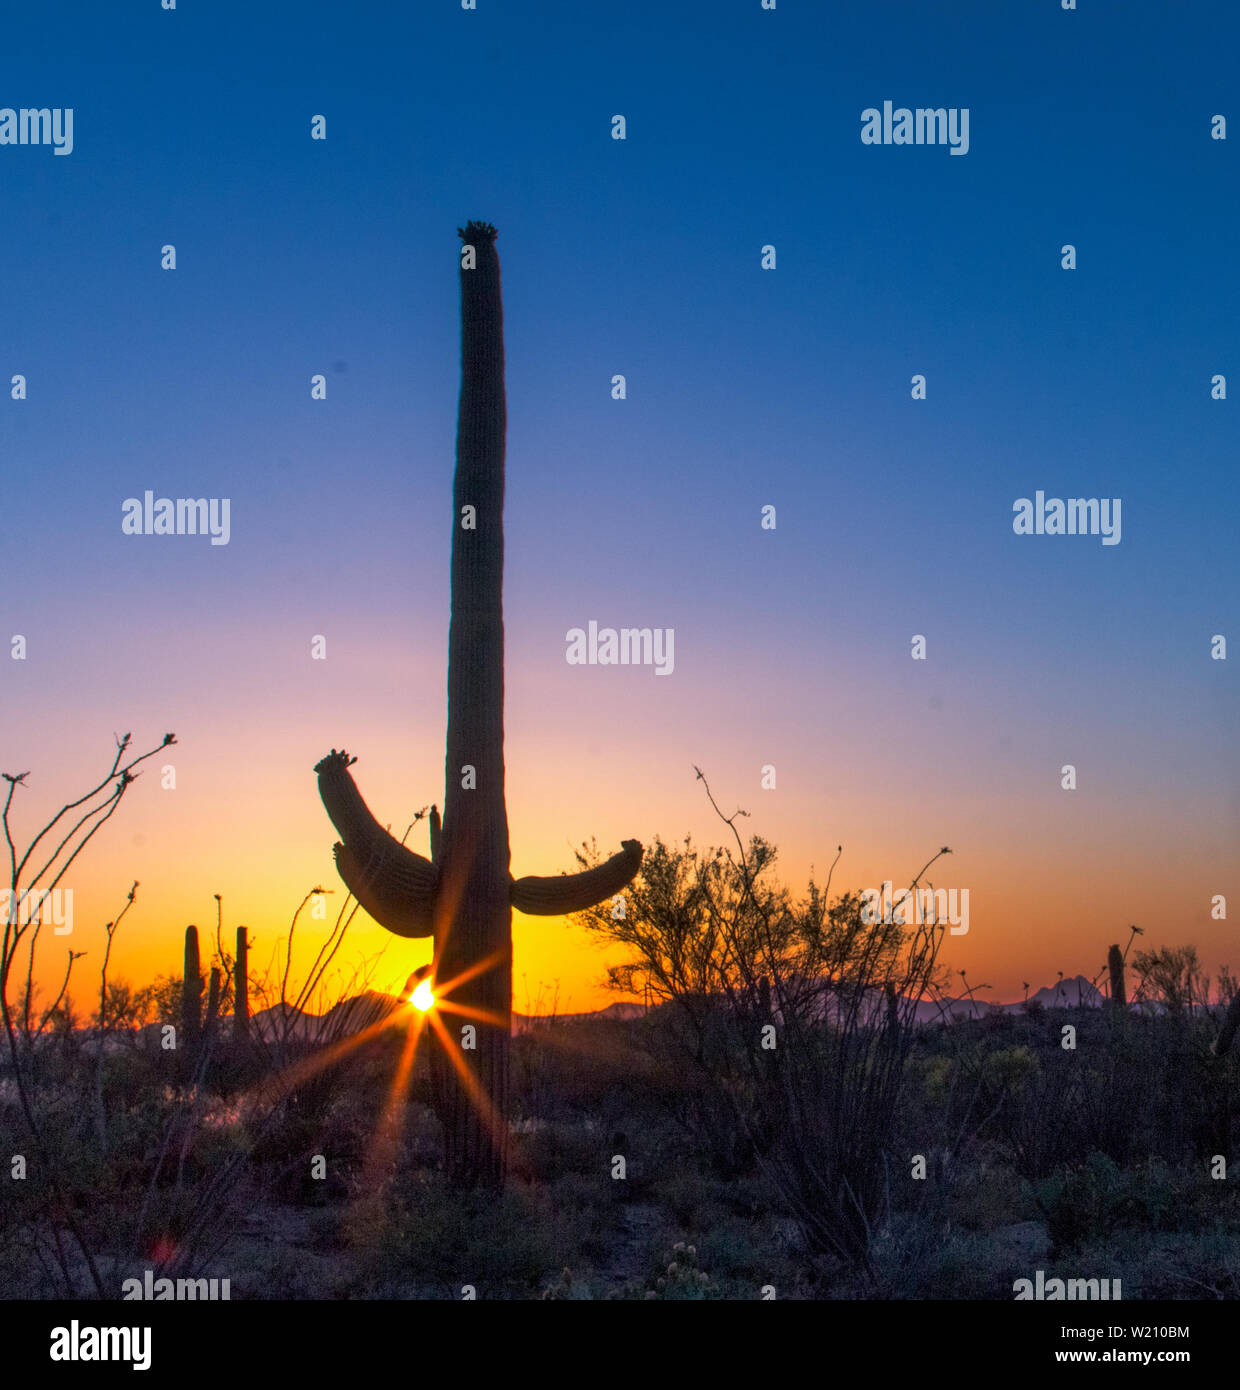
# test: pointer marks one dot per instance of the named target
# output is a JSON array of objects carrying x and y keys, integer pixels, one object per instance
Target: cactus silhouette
[
  {"x": 191, "y": 1000},
  {"x": 213, "y": 1005},
  {"x": 1115, "y": 964},
  {"x": 464, "y": 894},
  {"x": 241, "y": 988}
]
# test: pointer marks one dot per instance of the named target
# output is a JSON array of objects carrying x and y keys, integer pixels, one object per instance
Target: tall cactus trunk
[
  {"x": 241, "y": 988},
  {"x": 191, "y": 1001},
  {"x": 463, "y": 895},
  {"x": 1115, "y": 964},
  {"x": 473, "y": 913}
]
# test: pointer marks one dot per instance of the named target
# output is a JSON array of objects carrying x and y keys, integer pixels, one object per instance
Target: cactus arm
[
  {"x": 349, "y": 813},
  {"x": 396, "y": 886},
  {"x": 394, "y": 892},
  {"x": 555, "y": 896}
]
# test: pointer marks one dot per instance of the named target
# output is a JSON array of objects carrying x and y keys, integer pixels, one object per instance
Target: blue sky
[{"x": 745, "y": 387}]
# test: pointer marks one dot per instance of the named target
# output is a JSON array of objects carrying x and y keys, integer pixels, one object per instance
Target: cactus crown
[{"x": 477, "y": 231}]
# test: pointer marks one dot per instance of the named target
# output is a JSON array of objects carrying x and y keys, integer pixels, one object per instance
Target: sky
[{"x": 746, "y": 388}]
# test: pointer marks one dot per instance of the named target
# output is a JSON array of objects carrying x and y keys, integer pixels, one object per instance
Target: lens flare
[{"x": 423, "y": 997}]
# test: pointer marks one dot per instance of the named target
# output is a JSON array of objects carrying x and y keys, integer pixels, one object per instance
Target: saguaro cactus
[
  {"x": 1115, "y": 964},
  {"x": 241, "y": 987},
  {"x": 464, "y": 894},
  {"x": 191, "y": 997},
  {"x": 213, "y": 1004}
]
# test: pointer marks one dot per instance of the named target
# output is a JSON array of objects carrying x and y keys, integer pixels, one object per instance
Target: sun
[{"x": 423, "y": 997}]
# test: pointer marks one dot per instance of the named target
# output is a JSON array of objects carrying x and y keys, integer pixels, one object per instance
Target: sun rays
[
  {"x": 431, "y": 1011},
  {"x": 423, "y": 1014}
]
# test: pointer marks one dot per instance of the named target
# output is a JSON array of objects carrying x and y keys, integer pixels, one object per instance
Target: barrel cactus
[{"x": 463, "y": 895}]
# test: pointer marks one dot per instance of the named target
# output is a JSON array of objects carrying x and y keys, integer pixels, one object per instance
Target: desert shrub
[
  {"x": 919, "y": 1261},
  {"x": 1092, "y": 1200},
  {"x": 675, "y": 1275},
  {"x": 1082, "y": 1203},
  {"x": 567, "y": 1286},
  {"x": 795, "y": 1018},
  {"x": 736, "y": 1250},
  {"x": 564, "y": 1070},
  {"x": 565, "y": 1146},
  {"x": 507, "y": 1244},
  {"x": 986, "y": 1196},
  {"x": 1034, "y": 1104},
  {"x": 693, "y": 1201},
  {"x": 1184, "y": 1264}
]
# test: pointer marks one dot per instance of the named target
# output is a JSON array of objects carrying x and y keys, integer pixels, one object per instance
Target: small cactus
[
  {"x": 682, "y": 1278},
  {"x": 241, "y": 987},
  {"x": 1115, "y": 963},
  {"x": 213, "y": 1003},
  {"x": 191, "y": 995}
]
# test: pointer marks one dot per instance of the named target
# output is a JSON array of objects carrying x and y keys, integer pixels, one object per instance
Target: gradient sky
[{"x": 745, "y": 387}]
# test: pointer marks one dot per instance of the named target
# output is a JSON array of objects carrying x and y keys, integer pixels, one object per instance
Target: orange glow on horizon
[{"x": 1051, "y": 887}]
